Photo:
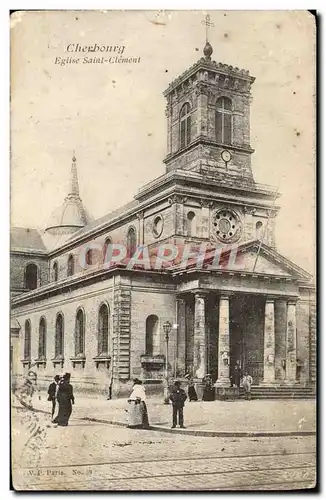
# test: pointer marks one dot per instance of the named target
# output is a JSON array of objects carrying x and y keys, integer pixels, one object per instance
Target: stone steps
[{"x": 281, "y": 392}]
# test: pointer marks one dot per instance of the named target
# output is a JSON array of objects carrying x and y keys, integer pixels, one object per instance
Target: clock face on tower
[
  {"x": 226, "y": 155},
  {"x": 226, "y": 225}
]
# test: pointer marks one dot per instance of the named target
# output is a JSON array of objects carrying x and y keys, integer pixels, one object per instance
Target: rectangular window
[
  {"x": 183, "y": 134},
  {"x": 188, "y": 129},
  {"x": 218, "y": 125},
  {"x": 227, "y": 128}
]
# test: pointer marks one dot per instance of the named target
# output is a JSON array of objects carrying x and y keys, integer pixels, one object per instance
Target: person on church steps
[
  {"x": 65, "y": 399},
  {"x": 178, "y": 398},
  {"x": 246, "y": 384},
  {"x": 137, "y": 412},
  {"x": 52, "y": 393},
  {"x": 236, "y": 376},
  {"x": 192, "y": 394},
  {"x": 209, "y": 391}
]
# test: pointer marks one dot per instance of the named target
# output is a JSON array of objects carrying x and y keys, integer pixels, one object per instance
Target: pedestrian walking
[
  {"x": 192, "y": 394},
  {"x": 137, "y": 410},
  {"x": 65, "y": 398},
  {"x": 178, "y": 398},
  {"x": 246, "y": 384},
  {"x": 52, "y": 393}
]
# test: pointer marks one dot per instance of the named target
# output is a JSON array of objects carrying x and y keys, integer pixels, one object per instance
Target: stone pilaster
[
  {"x": 200, "y": 340},
  {"x": 181, "y": 339},
  {"x": 202, "y": 113},
  {"x": 291, "y": 342},
  {"x": 312, "y": 343},
  {"x": 140, "y": 217},
  {"x": 121, "y": 335},
  {"x": 224, "y": 342},
  {"x": 269, "y": 342}
]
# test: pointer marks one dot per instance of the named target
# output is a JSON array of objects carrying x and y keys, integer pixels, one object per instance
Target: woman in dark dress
[
  {"x": 208, "y": 392},
  {"x": 65, "y": 398},
  {"x": 192, "y": 394}
]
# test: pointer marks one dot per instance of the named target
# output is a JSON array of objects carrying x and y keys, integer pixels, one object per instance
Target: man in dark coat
[
  {"x": 52, "y": 392},
  {"x": 178, "y": 398},
  {"x": 236, "y": 376}
]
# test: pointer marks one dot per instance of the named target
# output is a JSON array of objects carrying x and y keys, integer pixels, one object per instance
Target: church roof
[
  {"x": 26, "y": 238},
  {"x": 98, "y": 223}
]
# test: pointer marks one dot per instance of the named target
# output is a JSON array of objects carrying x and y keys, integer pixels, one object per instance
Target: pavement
[
  {"x": 203, "y": 418},
  {"x": 88, "y": 456}
]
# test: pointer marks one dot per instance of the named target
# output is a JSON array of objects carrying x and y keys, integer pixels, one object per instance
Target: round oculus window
[
  {"x": 226, "y": 225},
  {"x": 158, "y": 226}
]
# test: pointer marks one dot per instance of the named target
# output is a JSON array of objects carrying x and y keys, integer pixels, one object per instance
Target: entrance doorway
[
  {"x": 247, "y": 335},
  {"x": 237, "y": 348}
]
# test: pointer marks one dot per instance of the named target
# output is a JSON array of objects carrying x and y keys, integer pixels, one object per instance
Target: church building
[{"x": 109, "y": 324}]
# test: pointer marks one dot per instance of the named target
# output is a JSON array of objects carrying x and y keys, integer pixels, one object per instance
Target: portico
[
  {"x": 218, "y": 330},
  {"x": 228, "y": 317}
]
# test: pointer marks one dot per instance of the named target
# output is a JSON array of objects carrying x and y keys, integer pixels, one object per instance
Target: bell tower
[{"x": 208, "y": 120}]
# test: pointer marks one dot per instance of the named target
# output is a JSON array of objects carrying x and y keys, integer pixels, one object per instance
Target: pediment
[
  {"x": 248, "y": 262},
  {"x": 269, "y": 262},
  {"x": 244, "y": 259}
]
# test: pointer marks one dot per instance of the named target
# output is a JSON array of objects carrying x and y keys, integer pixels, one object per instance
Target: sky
[{"x": 113, "y": 116}]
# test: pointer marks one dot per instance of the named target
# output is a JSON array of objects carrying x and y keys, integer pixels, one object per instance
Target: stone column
[
  {"x": 291, "y": 342},
  {"x": 181, "y": 339},
  {"x": 200, "y": 340},
  {"x": 224, "y": 342},
  {"x": 269, "y": 342}
]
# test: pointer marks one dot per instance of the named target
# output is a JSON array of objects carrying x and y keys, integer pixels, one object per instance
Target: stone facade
[{"x": 255, "y": 309}]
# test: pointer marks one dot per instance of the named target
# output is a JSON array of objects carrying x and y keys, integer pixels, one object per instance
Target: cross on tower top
[{"x": 207, "y": 22}]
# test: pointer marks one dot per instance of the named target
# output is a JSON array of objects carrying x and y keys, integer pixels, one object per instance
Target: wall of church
[
  {"x": 155, "y": 231},
  {"x": 89, "y": 299},
  {"x": 149, "y": 299},
  {"x": 117, "y": 235},
  {"x": 257, "y": 226},
  {"x": 18, "y": 263}
]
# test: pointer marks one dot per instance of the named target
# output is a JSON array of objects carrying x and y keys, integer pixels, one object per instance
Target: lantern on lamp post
[{"x": 167, "y": 327}]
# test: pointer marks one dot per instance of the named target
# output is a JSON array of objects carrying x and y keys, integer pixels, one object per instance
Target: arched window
[
  {"x": 59, "y": 336},
  {"x": 223, "y": 120},
  {"x": 42, "y": 339},
  {"x": 131, "y": 242},
  {"x": 80, "y": 333},
  {"x": 185, "y": 125},
  {"x": 31, "y": 277},
  {"x": 152, "y": 335},
  {"x": 71, "y": 265},
  {"x": 106, "y": 254},
  {"x": 55, "y": 272},
  {"x": 103, "y": 330},
  {"x": 259, "y": 230},
  {"x": 27, "y": 340},
  {"x": 90, "y": 257},
  {"x": 191, "y": 224}
]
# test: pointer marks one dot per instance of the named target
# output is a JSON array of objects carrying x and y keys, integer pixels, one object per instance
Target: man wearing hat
[{"x": 178, "y": 398}]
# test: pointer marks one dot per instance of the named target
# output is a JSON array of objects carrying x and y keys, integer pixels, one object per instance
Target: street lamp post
[{"x": 167, "y": 329}]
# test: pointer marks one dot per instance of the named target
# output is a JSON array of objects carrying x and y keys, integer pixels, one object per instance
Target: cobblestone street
[{"x": 89, "y": 455}]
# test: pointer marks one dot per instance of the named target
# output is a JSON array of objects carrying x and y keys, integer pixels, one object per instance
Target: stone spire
[
  {"x": 71, "y": 215},
  {"x": 74, "y": 188}
]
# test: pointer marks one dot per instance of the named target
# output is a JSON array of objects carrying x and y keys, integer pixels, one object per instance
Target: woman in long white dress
[{"x": 137, "y": 411}]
